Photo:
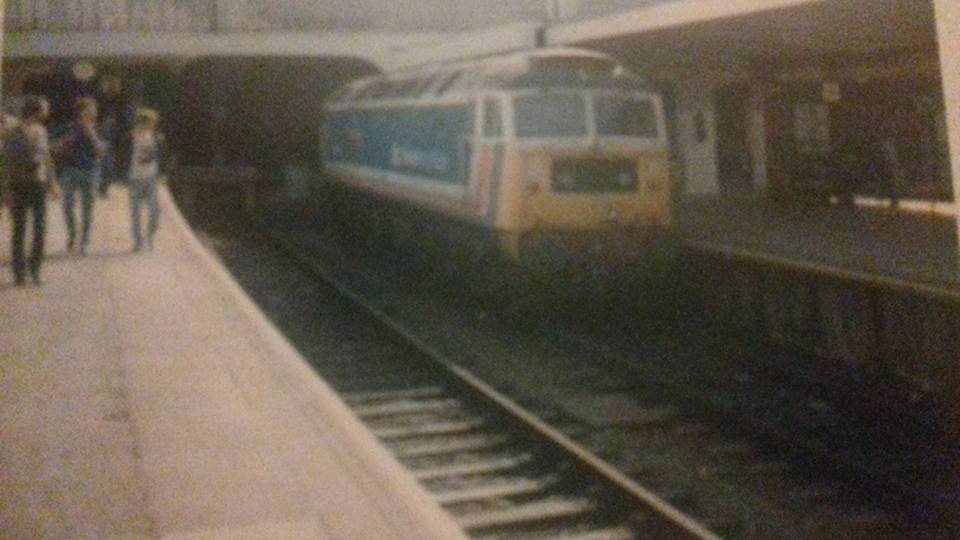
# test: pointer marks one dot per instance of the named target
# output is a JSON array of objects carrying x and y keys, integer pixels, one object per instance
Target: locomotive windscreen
[
  {"x": 626, "y": 116},
  {"x": 551, "y": 115},
  {"x": 545, "y": 115}
]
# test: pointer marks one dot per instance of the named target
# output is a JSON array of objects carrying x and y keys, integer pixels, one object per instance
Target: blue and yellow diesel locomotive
[{"x": 545, "y": 147}]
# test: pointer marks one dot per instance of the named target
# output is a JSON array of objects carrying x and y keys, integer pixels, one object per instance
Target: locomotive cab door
[{"x": 487, "y": 153}]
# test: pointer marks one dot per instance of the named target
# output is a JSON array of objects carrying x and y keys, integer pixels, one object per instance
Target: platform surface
[
  {"x": 913, "y": 247},
  {"x": 144, "y": 396}
]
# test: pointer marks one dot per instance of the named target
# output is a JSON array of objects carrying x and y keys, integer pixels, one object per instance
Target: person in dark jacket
[
  {"x": 82, "y": 150},
  {"x": 143, "y": 161},
  {"x": 117, "y": 121},
  {"x": 27, "y": 180}
]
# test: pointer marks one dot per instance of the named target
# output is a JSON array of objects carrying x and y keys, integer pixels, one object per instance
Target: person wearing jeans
[
  {"x": 27, "y": 181},
  {"x": 144, "y": 165},
  {"x": 82, "y": 151},
  {"x": 29, "y": 198}
]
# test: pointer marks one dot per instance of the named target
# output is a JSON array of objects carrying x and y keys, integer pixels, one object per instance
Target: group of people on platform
[{"x": 36, "y": 168}]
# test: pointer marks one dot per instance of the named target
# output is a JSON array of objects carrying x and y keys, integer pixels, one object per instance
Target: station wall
[
  {"x": 696, "y": 135},
  {"x": 719, "y": 131},
  {"x": 860, "y": 126},
  {"x": 821, "y": 127},
  {"x": 893, "y": 345},
  {"x": 757, "y": 134}
]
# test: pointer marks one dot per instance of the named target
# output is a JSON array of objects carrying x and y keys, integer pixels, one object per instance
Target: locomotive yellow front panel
[{"x": 577, "y": 191}]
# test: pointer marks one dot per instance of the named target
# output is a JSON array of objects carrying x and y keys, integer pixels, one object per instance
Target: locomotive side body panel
[{"x": 414, "y": 153}]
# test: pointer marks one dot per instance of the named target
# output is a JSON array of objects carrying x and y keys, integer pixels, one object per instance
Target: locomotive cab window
[
  {"x": 492, "y": 118},
  {"x": 550, "y": 115},
  {"x": 626, "y": 116}
]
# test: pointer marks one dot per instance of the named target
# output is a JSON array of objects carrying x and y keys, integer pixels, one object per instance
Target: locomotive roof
[{"x": 538, "y": 68}]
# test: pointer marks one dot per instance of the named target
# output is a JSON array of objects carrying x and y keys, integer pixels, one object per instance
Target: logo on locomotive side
[{"x": 426, "y": 161}]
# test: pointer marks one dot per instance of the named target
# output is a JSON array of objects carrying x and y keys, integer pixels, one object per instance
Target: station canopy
[{"x": 697, "y": 34}]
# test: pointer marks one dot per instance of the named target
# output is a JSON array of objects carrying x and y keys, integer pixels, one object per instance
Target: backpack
[{"x": 20, "y": 167}]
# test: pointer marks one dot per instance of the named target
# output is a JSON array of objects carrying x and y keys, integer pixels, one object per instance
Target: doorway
[{"x": 734, "y": 164}]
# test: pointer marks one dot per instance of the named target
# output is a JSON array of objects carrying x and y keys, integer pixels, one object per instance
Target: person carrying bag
[{"x": 28, "y": 180}]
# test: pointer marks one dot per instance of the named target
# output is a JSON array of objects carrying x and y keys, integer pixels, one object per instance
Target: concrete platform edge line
[
  {"x": 889, "y": 282},
  {"x": 291, "y": 359}
]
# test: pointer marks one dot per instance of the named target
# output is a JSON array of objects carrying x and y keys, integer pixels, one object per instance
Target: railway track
[
  {"x": 501, "y": 471},
  {"x": 508, "y": 472}
]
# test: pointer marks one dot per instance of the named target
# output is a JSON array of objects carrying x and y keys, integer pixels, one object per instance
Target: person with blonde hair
[{"x": 144, "y": 165}]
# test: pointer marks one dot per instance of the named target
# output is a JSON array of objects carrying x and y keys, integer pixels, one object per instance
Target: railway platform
[
  {"x": 145, "y": 396},
  {"x": 865, "y": 244}
]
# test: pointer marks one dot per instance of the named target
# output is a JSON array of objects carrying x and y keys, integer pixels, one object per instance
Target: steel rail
[{"x": 683, "y": 524}]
